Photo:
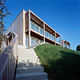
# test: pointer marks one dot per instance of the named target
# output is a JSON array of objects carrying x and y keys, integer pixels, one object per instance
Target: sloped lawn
[{"x": 60, "y": 63}]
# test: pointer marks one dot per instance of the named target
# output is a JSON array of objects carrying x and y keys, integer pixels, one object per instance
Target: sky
[{"x": 62, "y": 15}]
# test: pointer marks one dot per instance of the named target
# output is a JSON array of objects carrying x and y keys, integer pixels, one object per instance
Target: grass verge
[{"x": 60, "y": 63}]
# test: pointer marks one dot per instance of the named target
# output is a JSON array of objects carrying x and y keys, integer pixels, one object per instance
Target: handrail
[{"x": 8, "y": 60}]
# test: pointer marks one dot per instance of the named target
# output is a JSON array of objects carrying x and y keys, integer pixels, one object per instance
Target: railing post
[
  {"x": 44, "y": 31},
  {"x": 55, "y": 38},
  {"x": 29, "y": 26}
]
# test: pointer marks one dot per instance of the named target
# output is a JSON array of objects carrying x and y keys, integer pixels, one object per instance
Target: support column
[
  {"x": 62, "y": 43},
  {"x": 55, "y": 38},
  {"x": 60, "y": 40},
  {"x": 29, "y": 26},
  {"x": 44, "y": 31},
  {"x": 66, "y": 44}
]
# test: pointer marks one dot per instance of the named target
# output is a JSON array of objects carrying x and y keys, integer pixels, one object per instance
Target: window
[
  {"x": 37, "y": 41},
  {"x": 49, "y": 36},
  {"x": 32, "y": 41},
  {"x": 58, "y": 40},
  {"x": 46, "y": 33},
  {"x": 37, "y": 28},
  {"x": 41, "y": 30},
  {"x": 32, "y": 26},
  {"x": 52, "y": 37},
  {"x": 27, "y": 41}
]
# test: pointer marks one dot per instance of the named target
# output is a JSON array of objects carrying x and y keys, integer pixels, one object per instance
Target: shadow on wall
[{"x": 65, "y": 68}]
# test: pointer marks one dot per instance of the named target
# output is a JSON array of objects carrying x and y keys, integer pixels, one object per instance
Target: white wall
[{"x": 18, "y": 26}]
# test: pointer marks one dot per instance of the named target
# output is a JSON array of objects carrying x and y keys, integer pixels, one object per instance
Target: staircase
[{"x": 29, "y": 66}]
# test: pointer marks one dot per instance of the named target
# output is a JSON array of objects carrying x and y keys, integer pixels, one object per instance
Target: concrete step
[
  {"x": 31, "y": 76},
  {"x": 29, "y": 69},
  {"x": 30, "y": 64},
  {"x": 45, "y": 79}
]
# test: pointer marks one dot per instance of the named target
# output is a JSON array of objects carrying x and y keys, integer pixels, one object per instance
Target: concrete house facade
[{"x": 32, "y": 30}]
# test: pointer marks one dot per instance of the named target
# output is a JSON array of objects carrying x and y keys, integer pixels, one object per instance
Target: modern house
[{"x": 32, "y": 30}]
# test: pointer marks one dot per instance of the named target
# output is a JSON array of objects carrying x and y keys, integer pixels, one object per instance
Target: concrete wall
[{"x": 18, "y": 26}]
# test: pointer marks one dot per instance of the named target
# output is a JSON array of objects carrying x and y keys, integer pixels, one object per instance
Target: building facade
[{"x": 32, "y": 30}]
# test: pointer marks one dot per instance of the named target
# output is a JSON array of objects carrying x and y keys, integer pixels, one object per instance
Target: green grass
[
  {"x": 60, "y": 63},
  {"x": 0, "y": 52}
]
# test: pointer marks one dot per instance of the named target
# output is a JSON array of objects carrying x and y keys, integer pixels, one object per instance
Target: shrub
[{"x": 78, "y": 48}]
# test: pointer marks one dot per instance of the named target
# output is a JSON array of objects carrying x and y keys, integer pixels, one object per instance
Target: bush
[{"x": 78, "y": 48}]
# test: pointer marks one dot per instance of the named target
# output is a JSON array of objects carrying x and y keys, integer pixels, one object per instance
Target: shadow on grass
[{"x": 65, "y": 68}]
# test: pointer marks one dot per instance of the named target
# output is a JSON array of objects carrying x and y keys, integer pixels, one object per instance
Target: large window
[
  {"x": 50, "y": 36},
  {"x": 36, "y": 28},
  {"x": 58, "y": 40},
  {"x": 41, "y": 30},
  {"x": 34, "y": 41},
  {"x": 32, "y": 26}
]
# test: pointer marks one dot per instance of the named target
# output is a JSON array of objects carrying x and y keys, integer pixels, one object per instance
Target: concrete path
[{"x": 29, "y": 66}]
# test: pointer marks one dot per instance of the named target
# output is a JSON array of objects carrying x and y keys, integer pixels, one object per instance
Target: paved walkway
[{"x": 29, "y": 66}]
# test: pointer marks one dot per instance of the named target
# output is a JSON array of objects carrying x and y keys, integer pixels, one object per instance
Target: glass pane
[
  {"x": 32, "y": 26},
  {"x": 37, "y": 28},
  {"x": 27, "y": 41},
  {"x": 41, "y": 31}
]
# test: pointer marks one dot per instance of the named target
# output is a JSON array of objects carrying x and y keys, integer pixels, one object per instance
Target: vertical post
[
  {"x": 55, "y": 38},
  {"x": 29, "y": 26},
  {"x": 60, "y": 40},
  {"x": 44, "y": 31},
  {"x": 62, "y": 43},
  {"x": 69, "y": 45},
  {"x": 66, "y": 44}
]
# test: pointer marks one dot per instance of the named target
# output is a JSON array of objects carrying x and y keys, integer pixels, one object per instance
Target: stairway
[{"x": 29, "y": 66}]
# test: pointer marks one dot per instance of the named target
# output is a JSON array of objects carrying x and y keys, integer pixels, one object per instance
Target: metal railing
[{"x": 8, "y": 60}]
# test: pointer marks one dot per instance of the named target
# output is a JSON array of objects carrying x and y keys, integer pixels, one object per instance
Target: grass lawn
[{"x": 60, "y": 63}]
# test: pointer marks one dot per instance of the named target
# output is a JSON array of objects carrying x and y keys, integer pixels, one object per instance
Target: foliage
[
  {"x": 3, "y": 13},
  {"x": 60, "y": 63},
  {"x": 78, "y": 48}
]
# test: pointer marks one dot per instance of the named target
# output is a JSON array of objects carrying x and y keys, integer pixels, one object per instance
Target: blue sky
[{"x": 62, "y": 15}]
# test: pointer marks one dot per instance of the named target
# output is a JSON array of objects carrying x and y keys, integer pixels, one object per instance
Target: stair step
[
  {"x": 32, "y": 76},
  {"x": 28, "y": 64},
  {"x": 45, "y": 79},
  {"x": 29, "y": 69}
]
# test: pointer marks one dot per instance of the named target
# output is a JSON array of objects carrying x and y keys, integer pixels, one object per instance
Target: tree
[
  {"x": 78, "y": 48},
  {"x": 3, "y": 13}
]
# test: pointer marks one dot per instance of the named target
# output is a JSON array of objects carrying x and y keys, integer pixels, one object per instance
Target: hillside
[{"x": 60, "y": 63}]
